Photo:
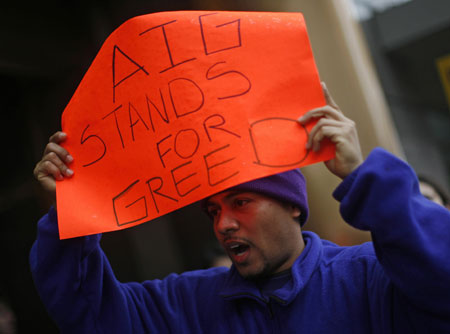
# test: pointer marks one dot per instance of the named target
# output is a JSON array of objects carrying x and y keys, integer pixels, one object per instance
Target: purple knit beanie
[{"x": 287, "y": 187}]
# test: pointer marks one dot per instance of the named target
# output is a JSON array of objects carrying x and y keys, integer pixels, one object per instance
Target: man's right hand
[{"x": 53, "y": 165}]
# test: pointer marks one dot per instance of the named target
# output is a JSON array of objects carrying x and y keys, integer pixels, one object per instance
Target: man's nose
[{"x": 227, "y": 223}]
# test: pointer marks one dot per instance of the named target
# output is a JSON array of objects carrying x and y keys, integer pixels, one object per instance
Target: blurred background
[{"x": 386, "y": 62}]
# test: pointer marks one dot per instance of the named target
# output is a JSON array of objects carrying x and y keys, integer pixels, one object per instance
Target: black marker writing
[
  {"x": 211, "y": 77},
  {"x": 114, "y": 70},
  {"x": 83, "y": 140},
  {"x": 217, "y": 125},
  {"x": 223, "y": 43},
  {"x": 209, "y": 167},
  {"x": 169, "y": 52},
  {"x": 164, "y": 117},
  {"x": 156, "y": 191},
  {"x": 116, "y": 123},
  {"x": 133, "y": 124},
  {"x": 258, "y": 146},
  {"x": 140, "y": 199},
  {"x": 185, "y": 87},
  {"x": 176, "y": 182}
]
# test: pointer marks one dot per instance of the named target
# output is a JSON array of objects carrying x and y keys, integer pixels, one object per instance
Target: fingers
[
  {"x": 330, "y": 110},
  {"x": 53, "y": 146},
  {"x": 44, "y": 169},
  {"x": 53, "y": 143},
  {"x": 328, "y": 97},
  {"x": 51, "y": 166},
  {"x": 331, "y": 119},
  {"x": 54, "y": 163},
  {"x": 59, "y": 151},
  {"x": 325, "y": 111},
  {"x": 326, "y": 128},
  {"x": 333, "y": 125},
  {"x": 58, "y": 137}
]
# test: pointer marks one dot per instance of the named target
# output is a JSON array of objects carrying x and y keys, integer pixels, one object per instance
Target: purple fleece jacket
[{"x": 400, "y": 283}]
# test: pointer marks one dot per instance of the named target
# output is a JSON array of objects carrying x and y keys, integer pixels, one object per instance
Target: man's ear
[{"x": 295, "y": 212}]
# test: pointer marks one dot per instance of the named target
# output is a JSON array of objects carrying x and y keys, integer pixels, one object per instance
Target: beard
[{"x": 267, "y": 269}]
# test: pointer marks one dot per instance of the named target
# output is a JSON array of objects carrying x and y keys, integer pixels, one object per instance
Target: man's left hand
[{"x": 340, "y": 130}]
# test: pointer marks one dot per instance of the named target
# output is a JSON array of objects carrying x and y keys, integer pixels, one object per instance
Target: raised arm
[
  {"x": 411, "y": 234},
  {"x": 73, "y": 277},
  {"x": 77, "y": 284}
]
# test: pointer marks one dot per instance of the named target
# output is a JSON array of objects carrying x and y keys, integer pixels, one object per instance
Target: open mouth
[{"x": 239, "y": 251}]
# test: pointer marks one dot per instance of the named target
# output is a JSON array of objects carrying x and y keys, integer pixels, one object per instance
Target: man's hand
[
  {"x": 340, "y": 130},
  {"x": 53, "y": 165}
]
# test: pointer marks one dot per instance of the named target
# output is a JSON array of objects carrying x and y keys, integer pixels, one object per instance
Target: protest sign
[{"x": 177, "y": 106}]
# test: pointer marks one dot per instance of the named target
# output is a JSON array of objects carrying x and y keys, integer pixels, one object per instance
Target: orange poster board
[{"x": 177, "y": 106}]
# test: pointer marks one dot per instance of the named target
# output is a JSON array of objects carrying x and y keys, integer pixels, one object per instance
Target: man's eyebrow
[
  {"x": 235, "y": 193},
  {"x": 209, "y": 203},
  {"x": 228, "y": 196}
]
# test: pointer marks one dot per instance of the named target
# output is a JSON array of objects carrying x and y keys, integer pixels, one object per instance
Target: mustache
[{"x": 237, "y": 239}]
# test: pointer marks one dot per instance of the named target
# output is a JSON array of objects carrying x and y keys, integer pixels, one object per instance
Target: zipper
[
  {"x": 267, "y": 301},
  {"x": 269, "y": 306}
]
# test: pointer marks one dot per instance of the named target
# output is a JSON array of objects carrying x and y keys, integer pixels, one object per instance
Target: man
[{"x": 282, "y": 280}]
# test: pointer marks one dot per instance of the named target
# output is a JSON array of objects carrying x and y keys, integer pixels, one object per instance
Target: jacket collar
[{"x": 236, "y": 287}]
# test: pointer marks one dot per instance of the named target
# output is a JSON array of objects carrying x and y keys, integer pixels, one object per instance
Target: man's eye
[
  {"x": 239, "y": 202},
  {"x": 213, "y": 212}
]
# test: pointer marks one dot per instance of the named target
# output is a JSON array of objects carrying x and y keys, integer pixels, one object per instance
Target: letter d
[{"x": 278, "y": 142}]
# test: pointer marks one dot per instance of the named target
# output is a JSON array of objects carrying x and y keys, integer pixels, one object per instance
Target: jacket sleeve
[
  {"x": 411, "y": 234},
  {"x": 80, "y": 292}
]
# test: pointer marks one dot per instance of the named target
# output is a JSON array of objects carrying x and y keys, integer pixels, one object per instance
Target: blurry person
[
  {"x": 7, "y": 319},
  {"x": 433, "y": 192}
]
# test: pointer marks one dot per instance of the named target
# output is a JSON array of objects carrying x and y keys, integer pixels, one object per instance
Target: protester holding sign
[
  {"x": 115, "y": 166},
  {"x": 282, "y": 280}
]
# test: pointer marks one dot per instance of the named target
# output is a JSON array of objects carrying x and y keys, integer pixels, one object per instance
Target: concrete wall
[{"x": 405, "y": 43}]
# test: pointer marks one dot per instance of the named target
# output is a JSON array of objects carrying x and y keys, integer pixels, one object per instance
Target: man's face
[
  {"x": 259, "y": 234},
  {"x": 429, "y": 192}
]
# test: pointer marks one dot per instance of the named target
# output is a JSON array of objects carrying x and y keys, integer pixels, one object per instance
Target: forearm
[
  {"x": 411, "y": 234},
  {"x": 70, "y": 275}
]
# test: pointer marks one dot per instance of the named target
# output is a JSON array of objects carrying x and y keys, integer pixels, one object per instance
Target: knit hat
[{"x": 287, "y": 187}]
